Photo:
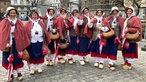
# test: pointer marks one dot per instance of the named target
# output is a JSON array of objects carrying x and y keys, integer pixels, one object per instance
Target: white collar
[
  {"x": 34, "y": 21},
  {"x": 98, "y": 17},
  {"x": 75, "y": 17},
  {"x": 12, "y": 20},
  {"x": 86, "y": 15},
  {"x": 133, "y": 14},
  {"x": 49, "y": 17}
]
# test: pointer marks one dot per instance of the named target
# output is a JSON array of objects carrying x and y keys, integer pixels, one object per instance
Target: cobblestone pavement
[{"x": 87, "y": 73}]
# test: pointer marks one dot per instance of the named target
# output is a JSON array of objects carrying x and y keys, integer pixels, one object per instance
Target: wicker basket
[
  {"x": 133, "y": 37},
  {"x": 54, "y": 36},
  {"x": 64, "y": 45},
  {"x": 108, "y": 34},
  {"x": 120, "y": 47},
  {"x": 25, "y": 55},
  {"x": 7, "y": 49}
]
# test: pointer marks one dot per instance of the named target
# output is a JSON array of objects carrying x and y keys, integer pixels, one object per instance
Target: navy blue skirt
[
  {"x": 51, "y": 47},
  {"x": 132, "y": 48},
  {"x": 94, "y": 47},
  {"x": 17, "y": 62},
  {"x": 72, "y": 44},
  {"x": 62, "y": 52},
  {"x": 131, "y": 52},
  {"x": 36, "y": 54},
  {"x": 112, "y": 47},
  {"x": 83, "y": 46},
  {"x": 72, "y": 48}
]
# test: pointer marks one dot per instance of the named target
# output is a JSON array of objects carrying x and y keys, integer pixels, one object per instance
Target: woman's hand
[
  {"x": 99, "y": 28},
  {"x": 92, "y": 20},
  {"x": 65, "y": 16},
  {"x": 62, "y": 38},
  {"x": 8, "y": 45}
]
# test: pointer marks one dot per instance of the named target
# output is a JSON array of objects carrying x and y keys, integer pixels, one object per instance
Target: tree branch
[{"x": 138, "y": 6}]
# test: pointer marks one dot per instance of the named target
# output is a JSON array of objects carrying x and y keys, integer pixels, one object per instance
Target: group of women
[{"x": 82, "y": 34}]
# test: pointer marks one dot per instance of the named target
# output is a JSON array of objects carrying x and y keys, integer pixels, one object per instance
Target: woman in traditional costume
[
  {"x": 62, "y": 26},
  {"x": 38, "y": 38},
  {"x": 132, "y": 25},
  {"x": 84, "y": 33},
  {"x": 98, "y": 47},
  {"x": 49, "y": 20},
  {"x": 116, "y": 24},
  {"x": 73, "y": 22},
  {"x": 13, "y": 40}
]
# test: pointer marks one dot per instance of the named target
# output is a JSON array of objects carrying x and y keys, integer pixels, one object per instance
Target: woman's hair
[
  {"x": 128, "y": 9},
  {"x": 74, "y": 11},
  {"x": 11, "y": 10},
  {"x": 99, "y": 10},
  {"x": 30, "y": 15},
  {"x": 63, "y": 10},
  {"x": 48, "y": 10},
  {"x": 84, "y": 9}
]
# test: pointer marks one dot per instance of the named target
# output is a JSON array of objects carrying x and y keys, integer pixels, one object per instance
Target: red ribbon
[
  {"x": 102, "y": 43},
  {"x": 68, "y": 35},
  {"x": 78, "y": 40},
  {"x": 45, "y": 49},
  {"x": 56, "y": 55}
]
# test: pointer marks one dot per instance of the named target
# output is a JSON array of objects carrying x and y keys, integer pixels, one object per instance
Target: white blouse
[
  {"x": 13, "y": 23},
  {"x": 36, "y": 33}
]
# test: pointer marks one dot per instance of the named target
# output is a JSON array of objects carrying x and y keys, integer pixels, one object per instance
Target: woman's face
[
  {"x": 115, "y": 12},
  {"x": 129, "y": 12},
  {"x": 34, "y": 16},
  {"x": 12, "y": 14},
  {"x": 86, "y": 11},
  {"x": 99, "y": 13},
  {"x": 63, "y": 12},
  {"x": 51, "y": 12}
]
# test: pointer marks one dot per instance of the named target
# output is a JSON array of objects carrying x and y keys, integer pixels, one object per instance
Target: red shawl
[
  {"x": 87, "y": 31},
  {"x": 134, "y": 24},
  {"x": 21, "y": 39},
  {"x": 60, "y": 25},
  {"x": 29, "y": 25},
  {"x": 70, "y": 22},
  {"x": 45, "y": 18}
]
